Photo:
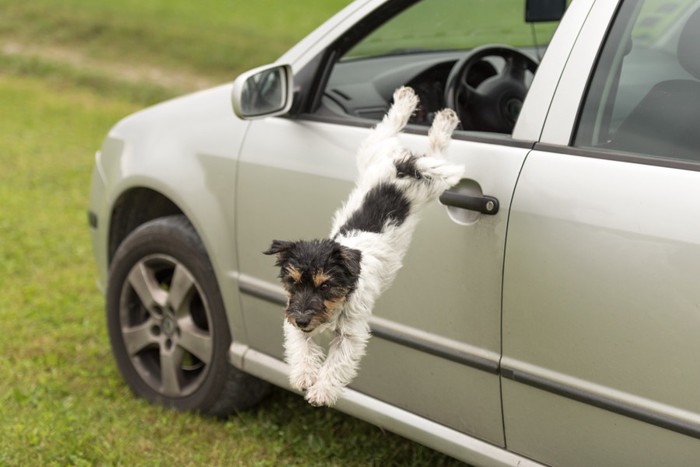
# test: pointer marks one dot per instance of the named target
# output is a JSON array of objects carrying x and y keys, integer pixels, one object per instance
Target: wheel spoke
[
  {"x": 181, "y": 287},
  {"x": 195, "y": 341},
  {"x": 144, "y": 284},
  {"x": 515, "y": 68},
  {"x": 170, "y": 366},
  {"x": 139, "y": 337}
]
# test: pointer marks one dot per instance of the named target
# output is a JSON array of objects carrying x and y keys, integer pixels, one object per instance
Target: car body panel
[{"x": 600, "y": 335}]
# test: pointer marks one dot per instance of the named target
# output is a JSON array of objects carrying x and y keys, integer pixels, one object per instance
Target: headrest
[{"x": 689, "y": 45}]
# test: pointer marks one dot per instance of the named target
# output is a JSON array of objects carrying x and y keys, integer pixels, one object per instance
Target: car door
[
  {"x": 601, "y": 317},
  {"x": 436, "y": 342},
  {"x": 436, "y": 339}
]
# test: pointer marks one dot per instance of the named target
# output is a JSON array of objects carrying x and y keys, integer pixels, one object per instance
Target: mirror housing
[
  {"x": 538, "y": 11},
  {"x": 265, "y": 91}
]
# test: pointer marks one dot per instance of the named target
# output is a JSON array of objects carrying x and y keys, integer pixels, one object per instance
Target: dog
[{"x": 333, "y": 283}]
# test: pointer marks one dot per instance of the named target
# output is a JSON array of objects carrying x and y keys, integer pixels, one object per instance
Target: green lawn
[
  {"x": 213, "y": 38},
  {"x": 62, "y": 401}
]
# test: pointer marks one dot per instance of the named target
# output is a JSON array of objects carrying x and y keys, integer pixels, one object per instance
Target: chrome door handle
[{"x": 483, "y": 204}]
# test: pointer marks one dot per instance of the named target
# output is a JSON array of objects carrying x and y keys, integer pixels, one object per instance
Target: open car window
[{"x": 420, "y": 46}]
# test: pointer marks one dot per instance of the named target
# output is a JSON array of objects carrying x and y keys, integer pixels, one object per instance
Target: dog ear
[
  {"x": 351, "y": 259},
  {"x": 278, "y": 247}
]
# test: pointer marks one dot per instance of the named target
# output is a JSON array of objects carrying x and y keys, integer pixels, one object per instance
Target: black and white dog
[{"x": 333, "y": 283}]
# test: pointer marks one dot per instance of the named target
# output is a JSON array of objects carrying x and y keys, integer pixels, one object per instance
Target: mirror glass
[{"x": 264, "y": 92}]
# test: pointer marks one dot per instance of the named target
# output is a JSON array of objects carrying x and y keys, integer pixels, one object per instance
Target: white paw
[
  {"x": 405, "y": 96},
  {"x": 322, "y": 394},
  {"x": 303, "y": 380},
  {"x": 405, "y": 102},
  {"x": 441, "y": 130},
  {"x": 446, "y": 121}
]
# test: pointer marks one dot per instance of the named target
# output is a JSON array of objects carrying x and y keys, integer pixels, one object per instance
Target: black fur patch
[
  {"x": 407, "y": 167},
  {"x": 383, "y": 203}
]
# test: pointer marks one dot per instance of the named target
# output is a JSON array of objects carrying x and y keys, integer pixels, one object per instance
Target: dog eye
[
  {"x": 416, "y": 175},
  {"x": 325, "y": 286}
]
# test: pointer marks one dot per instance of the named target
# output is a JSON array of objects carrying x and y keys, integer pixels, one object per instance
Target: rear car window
[{"x": 644, "y": 95}]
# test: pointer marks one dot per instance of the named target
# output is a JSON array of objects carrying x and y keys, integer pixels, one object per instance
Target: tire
[{"x": 167, "y": 323}]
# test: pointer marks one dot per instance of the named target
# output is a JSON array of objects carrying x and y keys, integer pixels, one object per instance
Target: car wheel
[{"x": 167, "y": 323}]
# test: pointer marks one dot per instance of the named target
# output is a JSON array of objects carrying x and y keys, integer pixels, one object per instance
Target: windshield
[{"x": 434, "y": 25}]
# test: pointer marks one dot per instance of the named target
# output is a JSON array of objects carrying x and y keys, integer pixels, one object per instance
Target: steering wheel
[{"x": 494, "y": 103}]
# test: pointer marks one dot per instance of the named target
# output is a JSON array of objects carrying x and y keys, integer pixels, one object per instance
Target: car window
[
  {"x": 420, "y": 46},
  {"x": 644, "y": 95}
]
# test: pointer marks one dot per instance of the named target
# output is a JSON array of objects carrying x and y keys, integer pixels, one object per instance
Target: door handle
[{"x": 484, "y": 204}]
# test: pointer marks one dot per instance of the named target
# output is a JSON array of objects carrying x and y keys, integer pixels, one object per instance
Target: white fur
[{"x": 382, "y": 253}]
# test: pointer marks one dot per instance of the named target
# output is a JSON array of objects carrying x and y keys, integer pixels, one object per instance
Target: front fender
[{"x": 185, "y": 150}]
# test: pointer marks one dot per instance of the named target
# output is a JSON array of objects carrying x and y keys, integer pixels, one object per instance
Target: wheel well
[{"x": 134, "y": 208}]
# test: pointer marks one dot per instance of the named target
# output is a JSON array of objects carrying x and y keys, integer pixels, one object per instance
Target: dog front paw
[
  {"x": 405, "y": 96},
  {"x": 303, "y": 380},
  {"x": 446, "y": 120},
  {"x": 441, "y": 130},
  {"x": 405, "y": 102},
  {"x": 322, "y": 394}
]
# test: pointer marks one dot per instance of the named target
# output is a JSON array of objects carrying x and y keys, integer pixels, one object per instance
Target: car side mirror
[
  {"x": 538, "y": 11},
  {"x": 263, "y": 92}
]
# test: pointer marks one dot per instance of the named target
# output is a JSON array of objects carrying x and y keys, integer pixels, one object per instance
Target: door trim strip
[
  {"x": 647, "y": 411},
  {"x": 391, "y": 331}
]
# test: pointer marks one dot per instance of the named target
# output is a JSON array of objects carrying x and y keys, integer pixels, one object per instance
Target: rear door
[{"x": 601, "y": 310}]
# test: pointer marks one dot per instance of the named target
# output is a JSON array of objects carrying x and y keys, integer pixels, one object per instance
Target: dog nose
[{"x": 303, "y": 321}]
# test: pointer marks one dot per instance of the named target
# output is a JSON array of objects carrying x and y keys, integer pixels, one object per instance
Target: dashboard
[{"x": 363, "y": 87}]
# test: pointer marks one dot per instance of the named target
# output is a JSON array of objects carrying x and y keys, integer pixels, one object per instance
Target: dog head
[{"x": 318, "y": 276}]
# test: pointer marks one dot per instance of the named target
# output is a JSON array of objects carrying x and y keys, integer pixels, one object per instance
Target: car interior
[
  {"x": 471, "y": 83},
  {"x": 456, "y": 65}
]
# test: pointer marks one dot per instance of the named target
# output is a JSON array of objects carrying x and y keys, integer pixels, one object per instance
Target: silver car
[{"x": 547, "y": 312}]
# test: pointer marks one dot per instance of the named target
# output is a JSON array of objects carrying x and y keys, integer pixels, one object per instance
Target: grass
[
  {"x": 62, "y": 401},
  {"x": 213, "y": 38}
]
